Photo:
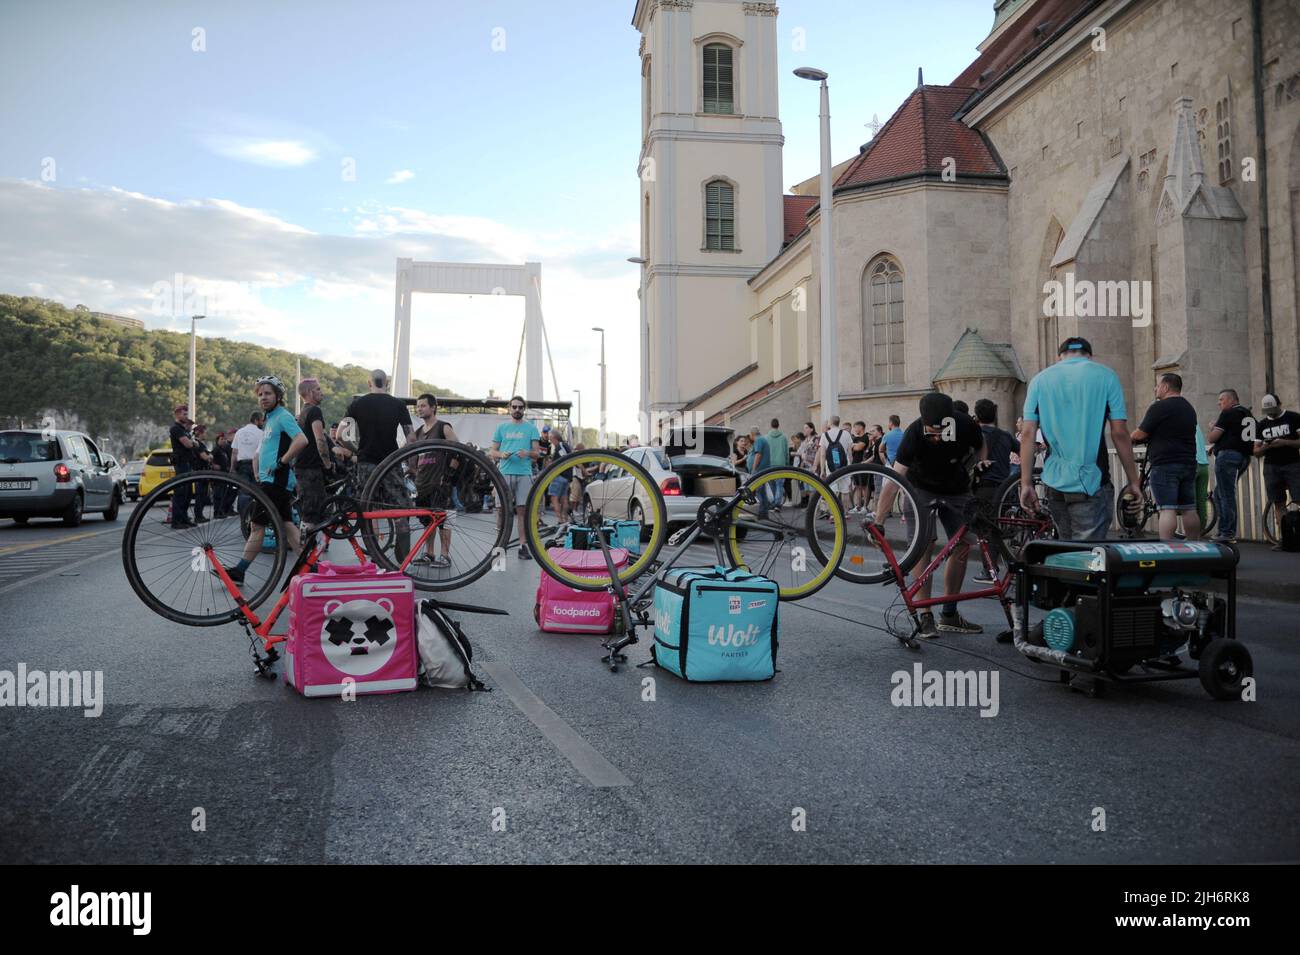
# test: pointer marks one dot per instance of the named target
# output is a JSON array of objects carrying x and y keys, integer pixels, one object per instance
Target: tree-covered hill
[{"x": 119, "y": 384}]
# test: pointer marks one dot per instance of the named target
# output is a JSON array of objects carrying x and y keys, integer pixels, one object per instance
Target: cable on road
[{"x": 942, "y": 646}]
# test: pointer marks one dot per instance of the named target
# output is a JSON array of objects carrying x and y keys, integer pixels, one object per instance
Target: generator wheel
[{"x": 1225, "y": 664}]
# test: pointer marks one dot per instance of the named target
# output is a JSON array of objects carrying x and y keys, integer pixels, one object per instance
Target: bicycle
[
  {"x": 978, "y": 518},
  {"x": 1268, "y": 520},
  {"x": 753, "y": 529},
  {"x": 1135, "y": 523},
  {"x": 183, "y": 574},
  {"x": 865, "y": 563}
]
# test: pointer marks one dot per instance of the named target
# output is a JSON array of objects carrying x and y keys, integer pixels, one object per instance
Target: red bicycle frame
[
  {"x": 306, "y": 562},
  {"x": 910, "y": 599}
]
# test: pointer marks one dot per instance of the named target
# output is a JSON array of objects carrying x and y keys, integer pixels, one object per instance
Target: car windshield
[
  {"x": 135, "y": 467},
  {"x": 661, "y": 458},
  {"x": 24, "y": 447},
  {"x": 160, "y": 460}
]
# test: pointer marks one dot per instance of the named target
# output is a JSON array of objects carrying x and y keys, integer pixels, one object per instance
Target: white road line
[
  {"x": 599, "y": 771},
  {"x": 57, "y": 570}
]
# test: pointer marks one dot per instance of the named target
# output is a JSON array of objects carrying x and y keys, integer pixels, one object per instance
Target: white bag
[{"x": 445, "y": 653}]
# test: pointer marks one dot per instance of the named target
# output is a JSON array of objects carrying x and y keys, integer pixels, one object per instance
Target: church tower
[{"x": 710, "y": 189}]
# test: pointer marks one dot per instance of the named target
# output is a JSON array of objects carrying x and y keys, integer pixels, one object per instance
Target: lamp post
[
  {"x": 194, "y": 320},
  {"x": 644, "y": 409},
  {"x": 830, "y": 369},
  {"x": 578, "y": 392},
  {"x": 600, "y": 439}
]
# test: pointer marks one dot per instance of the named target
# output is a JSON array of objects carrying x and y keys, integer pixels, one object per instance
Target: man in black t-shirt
[
  {"x": 1232, "y": 453},
  {"x": 184, "y": 450},
  {"x": 315, "y": 465},
  {"x": 1279, "y": 445},
  {"x": 935, "y": 455},
  {"x": 379, "y": 416},
  {"x": 1169, "y": 428}
]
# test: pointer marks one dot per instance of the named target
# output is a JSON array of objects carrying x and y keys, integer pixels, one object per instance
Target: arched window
[
  {"x": 719, "y": 85},
  {"x": 719, "y": 216},
  {"x": 882, "y": 324}
]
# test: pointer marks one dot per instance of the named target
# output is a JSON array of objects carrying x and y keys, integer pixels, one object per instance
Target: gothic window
[
  {"x": 720, "y": 216},
  {"x": 719, "y": 83},
  {"x": 1223, "y": 135},
  {"x": 882, "y": 323}
]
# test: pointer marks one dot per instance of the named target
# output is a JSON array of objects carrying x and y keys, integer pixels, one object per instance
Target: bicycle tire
[
  {"x": 539, "y": 544},
  {"x": 134, "y": 555},
  {"x": 857, "y": 535},
  {"x": 829, "y": 560},
  {"x": 1007, "y": 503},
  {"x": 1268, "y": 522},
  {"x": 384, "y": 553}
]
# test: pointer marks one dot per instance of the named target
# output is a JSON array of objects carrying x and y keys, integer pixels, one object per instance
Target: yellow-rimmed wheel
[
  {"x": 615, "y": 495},
  {"x": 789, "y": 528}
]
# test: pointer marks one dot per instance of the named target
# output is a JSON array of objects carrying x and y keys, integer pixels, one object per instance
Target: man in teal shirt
[
  {"x": 1070, "y": 402},
  {"x": 515, "y": 446},
  {"x": 778, "y": 447}
]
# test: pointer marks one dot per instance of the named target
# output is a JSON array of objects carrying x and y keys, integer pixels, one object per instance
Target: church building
[{"x": 1124, "y": 170}]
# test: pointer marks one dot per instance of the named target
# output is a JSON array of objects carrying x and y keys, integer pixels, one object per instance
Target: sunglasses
[{"x": 516, "y": 407}]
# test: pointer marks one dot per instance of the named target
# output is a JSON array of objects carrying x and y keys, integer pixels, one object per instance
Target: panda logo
[{"x": 358, "y": 636}]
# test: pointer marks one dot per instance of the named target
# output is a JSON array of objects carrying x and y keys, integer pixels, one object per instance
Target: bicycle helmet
[{"x": 275, "y": 384}]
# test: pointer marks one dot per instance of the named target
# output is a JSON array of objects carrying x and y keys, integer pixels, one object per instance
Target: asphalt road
[{"x": 582, "y": 769}]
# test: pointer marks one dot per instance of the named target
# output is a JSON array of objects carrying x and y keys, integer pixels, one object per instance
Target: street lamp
[
  {"x": 194, "y": 320},
  {"x": 830, "y": 370},
  {"x": 578, "y": 392},
  {"x": 600, "y": 439},
  {"x": 644, "y": 409}
]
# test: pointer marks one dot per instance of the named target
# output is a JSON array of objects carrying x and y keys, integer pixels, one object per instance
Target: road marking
[
  {"x": 57, "y": 570},
  {"x": 599, "y": 771},
  {"x": 19, "y": 548}
]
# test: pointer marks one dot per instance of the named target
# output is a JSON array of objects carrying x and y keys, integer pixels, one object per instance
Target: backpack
[
  {"x": 836, "y": 456},
  {"x": 1290, "y": 531},
  {"x": 445, "y": 653}
]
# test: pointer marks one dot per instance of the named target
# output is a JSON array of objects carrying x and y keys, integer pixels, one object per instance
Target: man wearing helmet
[{"x": 282, "y": 441}]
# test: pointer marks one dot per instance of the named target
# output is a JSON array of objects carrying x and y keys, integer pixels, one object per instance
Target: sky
[{"x": 266, "y": 164}]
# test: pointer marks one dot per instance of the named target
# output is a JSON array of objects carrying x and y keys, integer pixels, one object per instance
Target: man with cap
[
  {"x": 1279, "y": 445},
  {"x": 936, "y": 455},
  {"x": 1070, "y": 403}
]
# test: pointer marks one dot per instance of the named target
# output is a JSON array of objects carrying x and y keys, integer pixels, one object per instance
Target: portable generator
[{"x": 1125, "y": 612}]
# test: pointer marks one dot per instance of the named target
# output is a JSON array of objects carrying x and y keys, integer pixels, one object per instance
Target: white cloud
[
  {"x": 331, "y": 296},
  {"x": 263, "y": 152},
  {"x": 402, "y": 175}
]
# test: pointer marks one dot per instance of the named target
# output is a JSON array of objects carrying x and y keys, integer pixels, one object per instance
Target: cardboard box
[{"x": 715, "y": 486}]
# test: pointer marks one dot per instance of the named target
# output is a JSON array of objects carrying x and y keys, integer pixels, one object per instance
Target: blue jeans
[
  {"x": 1084, "y": 520},
  {"x": 1228, "y": 466},
  {"x": 1173, "y": 486}
]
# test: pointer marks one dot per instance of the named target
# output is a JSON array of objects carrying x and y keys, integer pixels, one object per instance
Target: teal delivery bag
[{"x": 716, "y": 625}]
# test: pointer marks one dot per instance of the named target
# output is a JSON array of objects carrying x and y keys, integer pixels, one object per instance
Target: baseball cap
[
  {"x": 1075, "y": 345},
  {"x": 1270, "y": 403},
  {"x": 545, "y": 428},
  {"x": 936, "y": 406}
]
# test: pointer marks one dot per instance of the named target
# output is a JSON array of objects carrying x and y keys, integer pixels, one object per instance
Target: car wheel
[
  {"x": 111, "y": 513},
  {"x": 634, "y": 513},
  {"x": 72, "y": 513}
]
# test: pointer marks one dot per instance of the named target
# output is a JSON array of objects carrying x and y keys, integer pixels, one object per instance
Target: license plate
[{"x": 15, "y": 485}]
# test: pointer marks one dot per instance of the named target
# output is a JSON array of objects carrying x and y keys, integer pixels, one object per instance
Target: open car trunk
[{"x": 690, "y": 470}]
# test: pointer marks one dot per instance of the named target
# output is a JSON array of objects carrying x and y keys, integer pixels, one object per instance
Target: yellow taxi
[{"x": 157, "y": 468}]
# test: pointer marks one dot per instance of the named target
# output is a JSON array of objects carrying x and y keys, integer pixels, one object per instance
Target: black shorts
[
  {"x": 955, "y": 510},
  {"x": 280, "y": 498}
]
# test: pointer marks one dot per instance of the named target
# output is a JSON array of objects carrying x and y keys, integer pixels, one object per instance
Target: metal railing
[{"x": 1250, "y": 496}]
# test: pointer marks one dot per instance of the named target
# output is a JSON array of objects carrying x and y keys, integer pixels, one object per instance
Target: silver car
[{"x": 55, "y": 474}]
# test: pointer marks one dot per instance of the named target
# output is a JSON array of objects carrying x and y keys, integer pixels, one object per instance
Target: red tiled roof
[
  {"x": 919, "y": 136},
  {"x": 1022, "y": 40},
  {"x": 796, "y": 216}
]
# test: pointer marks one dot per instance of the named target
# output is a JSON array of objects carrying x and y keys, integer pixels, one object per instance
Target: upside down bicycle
[
  {"x": 798, "y": 546},
  {"x": 404, "y": 513}
]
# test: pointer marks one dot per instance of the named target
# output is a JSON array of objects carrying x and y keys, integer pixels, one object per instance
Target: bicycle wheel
[
  {"x": 624, "y": 491},
  {"x": 457, "y": 546},
  {"x": 1017, "y": 526},
  {"x": 171, "y": 569},
  {"x": 1269, "y": 521},
  {"x": 1211, "y": 517},
  {"x": 906, "y": 528},
  {"x": 796, "y": 546}
]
